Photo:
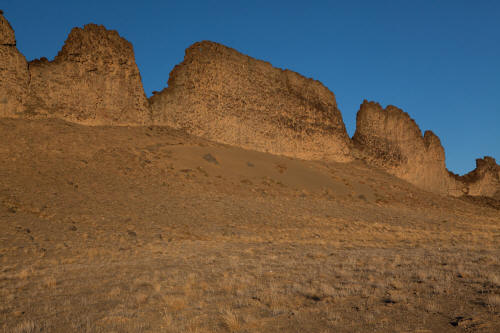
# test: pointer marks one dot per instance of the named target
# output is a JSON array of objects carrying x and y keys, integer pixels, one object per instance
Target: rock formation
[
  {"x": 390, "y": 139},
  {"x": 223, "y": 95},
  {"x": 484, "y": 180},
  {"x": 14, "y": 76},
  {"x": 93, "y": 80}
]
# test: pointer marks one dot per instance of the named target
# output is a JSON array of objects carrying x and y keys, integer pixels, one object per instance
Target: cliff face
[
  {"x": 14, "y": 76},
  {"x": 93, "y": 80},
  {"x": 392, "y": 140},
  {"x": 223, "y": 95}
]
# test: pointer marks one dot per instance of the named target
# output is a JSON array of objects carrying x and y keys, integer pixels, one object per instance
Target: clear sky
[{"x": 437, "y": 60}]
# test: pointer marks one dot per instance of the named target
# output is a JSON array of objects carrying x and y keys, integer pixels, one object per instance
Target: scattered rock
[
  {"x": 463, "y": 322},
  {"x": 388, "y": 301},
  {"x": 210, "y": 158}
]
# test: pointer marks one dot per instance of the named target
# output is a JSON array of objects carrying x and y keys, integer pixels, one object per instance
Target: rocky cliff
[
  {"x": 93, "y": 80},
  {"x": 223, "y": 95},
  {"x": 14, "y": 76},
  {"x": 390, "y": 139}
]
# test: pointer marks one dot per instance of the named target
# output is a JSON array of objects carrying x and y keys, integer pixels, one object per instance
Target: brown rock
[
  {"x": 14, "y": 75},
  {"x": 93, "y": 80},
  {"x": 7, "y": 36},
  {"x": 392, "y": 140},
  {"x": 223, "y": 95},
  {"x": 484, "y": 180}
]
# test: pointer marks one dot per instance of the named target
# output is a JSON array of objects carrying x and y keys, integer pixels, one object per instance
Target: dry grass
[
  {"x": 27, "y": 326},
  {"x": 50, "y": 281},
  {"x": 494, "y": 301},
  {"x": 230, "y": 320}
]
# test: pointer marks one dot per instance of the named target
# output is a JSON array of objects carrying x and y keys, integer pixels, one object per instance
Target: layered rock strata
[
  {"x": 225, "y": 96},
  {"x": 93, "y": 80},
  {"x": 14, "y": 76}
]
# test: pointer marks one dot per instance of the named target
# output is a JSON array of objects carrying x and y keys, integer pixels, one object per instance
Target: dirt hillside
[
  {"x": 137, "y": 229},
  {"x": 234, "y": 202}
]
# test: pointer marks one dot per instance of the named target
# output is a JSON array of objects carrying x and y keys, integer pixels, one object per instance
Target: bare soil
[{"x": 147, "y": 229}]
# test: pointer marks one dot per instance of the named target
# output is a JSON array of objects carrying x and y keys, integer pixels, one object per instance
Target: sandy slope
[{"x": 116, "y": 229}]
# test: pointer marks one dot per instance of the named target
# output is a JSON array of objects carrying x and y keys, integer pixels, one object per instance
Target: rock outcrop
[
  {"x": 390, "y": 139},
  {"x": 14, "y": 76},
  {"x": 225, "y": 96},
  {"x": 93, "y": 80},
  {"x": 484, "y": 180}
]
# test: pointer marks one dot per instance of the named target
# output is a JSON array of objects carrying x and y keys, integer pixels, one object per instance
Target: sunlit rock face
[
  {"x": 14, "y": 75},
  {"x": 93, "y": 80},
  {"x": 223, "y": 95},
  {"x": 390, "y": 139}
]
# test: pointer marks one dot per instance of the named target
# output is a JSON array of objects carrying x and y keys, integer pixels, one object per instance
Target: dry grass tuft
[
  {"x": 27, "y": 326},
  {"x": 494, "y": 301},
  {"x": 25, "y": 273},
  {"x": 230, "y": 320},
  {"x": 50, "y": 281},
  {"x": 494, "y": 278},
  {"x": 175, "y": 304}
]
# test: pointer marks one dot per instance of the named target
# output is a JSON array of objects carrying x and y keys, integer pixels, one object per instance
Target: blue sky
[{"x": 437, "y": 60}]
